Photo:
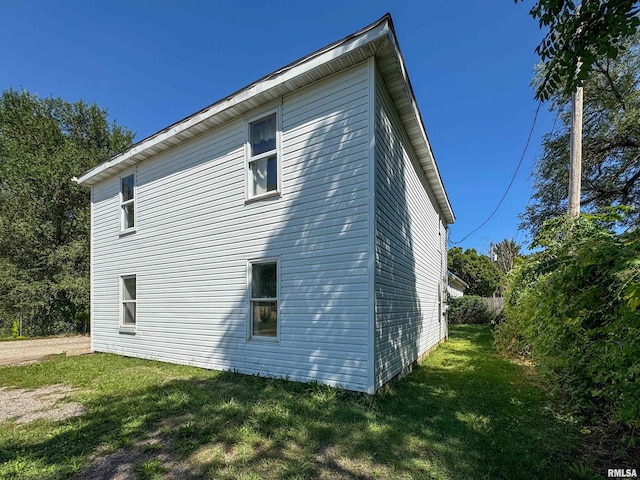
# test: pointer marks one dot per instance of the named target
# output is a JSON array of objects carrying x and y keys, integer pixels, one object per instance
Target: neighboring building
[
  {"x": 296, "y": 228},
  {"x": 456, "y": 286}
]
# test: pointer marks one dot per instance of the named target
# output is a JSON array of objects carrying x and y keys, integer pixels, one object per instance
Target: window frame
[
  {"x": 132, "y": 201},
  {"x": 251, "y": 298},
  {"x": 249, "y": 159},
  {"x": 127, "y": 327}
]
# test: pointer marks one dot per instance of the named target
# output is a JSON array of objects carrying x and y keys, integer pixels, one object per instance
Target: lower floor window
[
  {"x": 264, "y": 298},
  {"x": 129, "y": 298}
]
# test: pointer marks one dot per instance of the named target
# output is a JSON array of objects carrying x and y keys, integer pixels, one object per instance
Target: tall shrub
[
  {"x": 574, "y": 308},
  {"x": 470, "y": 309}
]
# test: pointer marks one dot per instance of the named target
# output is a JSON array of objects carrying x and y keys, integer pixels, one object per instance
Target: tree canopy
[
  {"x": 506, "y": 251},
  {"x": 478, "y": 271},
  {"x": 610, "y": 150},
  {"x": 577, "y": 37},
  {"x": 44, "y": 216}
]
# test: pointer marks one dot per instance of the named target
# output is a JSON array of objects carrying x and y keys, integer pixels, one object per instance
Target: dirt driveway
[{"x": 20, "y": 352}]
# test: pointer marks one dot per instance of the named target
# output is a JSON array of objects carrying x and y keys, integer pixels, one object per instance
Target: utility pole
[{"x": 575, "y": 165}]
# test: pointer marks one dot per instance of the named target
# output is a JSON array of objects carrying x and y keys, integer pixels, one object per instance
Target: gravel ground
[
  {"x": 24, "y": 406},
  {"x": 20, "y": 352}
]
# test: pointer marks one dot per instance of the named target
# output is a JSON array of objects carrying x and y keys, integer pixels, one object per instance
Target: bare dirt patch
[
  {"x": 24, "y": 406},
  {"x": 22, "y": 352}
]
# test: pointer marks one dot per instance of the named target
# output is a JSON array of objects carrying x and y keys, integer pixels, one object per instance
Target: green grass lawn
[{"x": 464, "y": 413}]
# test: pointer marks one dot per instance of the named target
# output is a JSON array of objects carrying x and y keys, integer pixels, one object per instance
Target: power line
[
  {"x": 553, "y": 130},
  {"x": 535, "y": 118}
]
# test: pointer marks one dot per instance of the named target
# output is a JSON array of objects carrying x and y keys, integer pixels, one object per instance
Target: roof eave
[
  {"x": 271, "y": 82},
  {"x": 457, "y": 279},
  {"x": 309, "y": 69},
  {"x": 414, "y": 125}
]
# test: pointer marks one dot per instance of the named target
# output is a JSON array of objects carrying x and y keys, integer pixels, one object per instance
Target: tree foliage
[
  {"x": 578, "y": 37},
  {"x": 507, "y": 251},
  {"x": 478, "y": 271},
  {"x": 574, "y": 307},
  {"x": 611, "y": 145},
  {"x": 44, "y": 216}
]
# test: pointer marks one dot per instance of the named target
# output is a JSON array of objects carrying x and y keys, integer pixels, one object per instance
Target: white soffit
[{"x": 377, "y": 39}]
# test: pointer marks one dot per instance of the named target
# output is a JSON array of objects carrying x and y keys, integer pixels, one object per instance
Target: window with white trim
[
  {"x": 127, "y": 202},
  {"x": 263, "y": 157},
  {"x": 263, "y": 285},
  {"x": 128, "y": 297}
]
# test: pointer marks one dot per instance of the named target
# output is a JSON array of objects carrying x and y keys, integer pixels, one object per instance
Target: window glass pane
[
  {"x": 127, "y": 188},
  {"x": 129, "y": 313},
  {"x": 264, "y": 174},
  {"x": 129, "y": 285},
  {"x": 258, "y": 177},
  {"x": 263, "y": 280},
  {"x": 272, "y": 174},
  {"x": 128, "y": 216},
  {"x": 263, "y": 135},
  {"x": 265, "y": 318}
]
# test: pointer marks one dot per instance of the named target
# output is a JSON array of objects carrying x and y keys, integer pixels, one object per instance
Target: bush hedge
[
  {"x": 470, "y": 309},
  {"x": 574, "y": 308}
]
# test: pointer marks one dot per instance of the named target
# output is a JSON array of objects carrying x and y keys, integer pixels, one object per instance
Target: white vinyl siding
[
  {"x": 199, "y": 233},
  {"x": 455, "y": 291},
  {"x": 443, "y": 246},
  {"x": 410, "y": 252}
]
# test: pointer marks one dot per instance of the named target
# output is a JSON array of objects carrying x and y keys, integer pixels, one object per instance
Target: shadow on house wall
[
  {"x": 320, "y": 238},
  {"x": 399, "y": 316},
  {"x": 194, "y": 260}
]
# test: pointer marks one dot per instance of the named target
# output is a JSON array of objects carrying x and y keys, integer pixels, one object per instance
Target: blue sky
[{"x": 151, "y": 63}]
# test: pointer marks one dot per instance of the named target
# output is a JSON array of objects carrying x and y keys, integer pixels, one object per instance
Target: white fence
[{"x": 495, "y": 304}]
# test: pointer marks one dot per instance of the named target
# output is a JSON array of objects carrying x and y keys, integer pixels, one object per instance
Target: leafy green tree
[
  {"x": 611, "y": 145},
  {"x": 507, "y": 251},
  {"x": 579, "y": 37},
  {"x": 44, "y": 216},
  {"x": 478, "y": 271}
]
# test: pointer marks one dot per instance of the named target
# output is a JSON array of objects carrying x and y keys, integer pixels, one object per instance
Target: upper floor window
[
  {"x": 127, "y": 202},
  {"x": 262, "y": 156}
]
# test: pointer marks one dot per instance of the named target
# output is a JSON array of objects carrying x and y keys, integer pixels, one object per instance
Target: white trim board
[{"x": 377, "y": 39}]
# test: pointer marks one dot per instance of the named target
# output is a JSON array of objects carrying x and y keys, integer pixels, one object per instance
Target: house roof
[
  {"x": 453, "y": 278},
  {"x": 378, "y": 39}
]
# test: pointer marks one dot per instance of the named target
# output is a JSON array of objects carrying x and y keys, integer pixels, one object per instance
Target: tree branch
[
  {"x": 629, "y": 183},
  {"x": 614, "y": 88}
]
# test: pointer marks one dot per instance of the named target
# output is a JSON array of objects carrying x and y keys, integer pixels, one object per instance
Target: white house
[
  {"x": 456, "y": 286},
  {"x": 296, "y": 228}
]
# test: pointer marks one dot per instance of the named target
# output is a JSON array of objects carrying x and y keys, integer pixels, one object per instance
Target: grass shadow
[{"x": 463, "y": 413}]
